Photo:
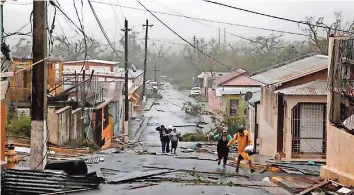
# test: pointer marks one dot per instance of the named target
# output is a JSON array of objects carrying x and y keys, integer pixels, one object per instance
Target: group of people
[
  {"x": 225, "y": 141},
  {"x": 168, "y": 135}
]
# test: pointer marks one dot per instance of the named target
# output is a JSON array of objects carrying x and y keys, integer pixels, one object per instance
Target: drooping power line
[
  {"x": 275, "y": 17},
  {"x": 203, "y": 19},
  {"x": 183, "y": 38},
  {"x": 102, "y": 29}
]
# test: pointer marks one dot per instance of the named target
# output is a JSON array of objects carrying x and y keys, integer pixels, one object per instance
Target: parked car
[{"x": 195, "y": 91}]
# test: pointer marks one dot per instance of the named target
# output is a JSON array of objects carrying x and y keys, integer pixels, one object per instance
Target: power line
[
  {"x": 206, "y": 20},
  {"x": 275, "y": 17},
  {"x": 184, "y": 38},
  {"x": 102, "y": 29},
  {"x": 241, "y": 37}
]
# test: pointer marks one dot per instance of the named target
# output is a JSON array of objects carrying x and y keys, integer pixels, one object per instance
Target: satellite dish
[{"x": 248, "y": 96}]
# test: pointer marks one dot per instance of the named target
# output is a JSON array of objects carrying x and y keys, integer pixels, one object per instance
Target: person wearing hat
[
  {"x": 243, "y": 139},
  {"x": 223, "y": 150}
]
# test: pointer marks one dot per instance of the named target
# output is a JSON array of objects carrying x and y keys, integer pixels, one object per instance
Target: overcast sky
[{"x": 16, "y": 14}]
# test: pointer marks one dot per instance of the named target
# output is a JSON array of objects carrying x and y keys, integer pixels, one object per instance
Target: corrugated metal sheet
[
  {"x": 312, "y": 88},
  {"x": 278, "y": 72},
  {"x": 15, "y": 181}
]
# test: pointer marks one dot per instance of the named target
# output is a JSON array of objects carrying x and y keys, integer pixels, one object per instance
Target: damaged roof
[
  {"x": 285, "y": 70},
  {"x": 318, "y": 87}
]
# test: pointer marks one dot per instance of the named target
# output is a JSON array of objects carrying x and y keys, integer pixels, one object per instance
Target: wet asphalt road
[{"x": 168, "y": 112}]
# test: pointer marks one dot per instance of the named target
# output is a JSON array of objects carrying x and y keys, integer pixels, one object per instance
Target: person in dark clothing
[
  {"x": 166, "y": 138},
  {"x": 163, "y": 132},
  {"x": 222, "y": 148}
]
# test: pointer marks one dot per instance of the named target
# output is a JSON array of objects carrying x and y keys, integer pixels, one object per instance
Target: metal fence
[{"x": 308, "y": 129}]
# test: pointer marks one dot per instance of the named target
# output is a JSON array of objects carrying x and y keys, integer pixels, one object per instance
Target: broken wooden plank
[
  {"x": 129, "y": 177},
  {"x": 142, "y": 186},
  {"x": 194, "y": 171},
  {"x": 314, "y": 187}
]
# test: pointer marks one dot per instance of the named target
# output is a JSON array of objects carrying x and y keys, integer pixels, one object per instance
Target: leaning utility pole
[
  {"x": 194, "y": 39},
  {"x": 146, "y": 39},
  {"x": 39, "y": 88},
  {"x": 126, "y": 70},
  {"x": 224, "y": 38},
  {"x": 219, "y": 39}
]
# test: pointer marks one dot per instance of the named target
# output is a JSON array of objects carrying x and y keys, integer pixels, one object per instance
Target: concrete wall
[
  {"x": 64, "y": 125},
  {"x": 267, "y": 123},
  {"x": 214, "y": 101},
  {"x": 76, "y": 131},
  {"x": 339, "y": 163},
  {"x": 291, "y": 102}
]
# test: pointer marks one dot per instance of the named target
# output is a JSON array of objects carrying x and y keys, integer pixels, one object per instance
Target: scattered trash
[
  {"x": 328, "y": 186},
  {"x": 27, "y": 150},
  {"x": 266, "y": 179},
  {"x": 187, "y": 150}
]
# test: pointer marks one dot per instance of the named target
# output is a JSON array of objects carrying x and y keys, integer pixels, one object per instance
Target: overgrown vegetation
[
  {"x": 196, "y": 137},
  {"x": 19, "y": 126}
]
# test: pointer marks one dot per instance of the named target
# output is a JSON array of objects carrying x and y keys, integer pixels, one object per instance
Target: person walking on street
[
  {"x": 166, "y": 138},
  {"x": 243, "y": 139},
  {"x": 175, "y": 137},
  {"x": 162, "y": 131},
  {"x": 222, "y": 148}
]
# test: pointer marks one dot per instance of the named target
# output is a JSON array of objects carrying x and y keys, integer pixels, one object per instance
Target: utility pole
[
  {"x": 126, "y": 70},
  {"x": 198, "y": 54},
  {"x": 39, "y": 88},
  {"x": 224, "y": 38},
  {"x": 194, "y": 40},
  {"x": 146, "y": 39},
  {"x": 1, "y": 21},
  {"x": 219, "y": 39}
]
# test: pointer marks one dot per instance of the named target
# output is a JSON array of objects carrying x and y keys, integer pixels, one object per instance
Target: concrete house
[
  {"x": 340, "y": 120},
  {"x": 228, "y": 92},
  {"x": 292, "y": 110}
]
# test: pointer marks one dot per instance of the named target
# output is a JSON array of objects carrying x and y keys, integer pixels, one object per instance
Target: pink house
[{"x": 235, "y": 79}]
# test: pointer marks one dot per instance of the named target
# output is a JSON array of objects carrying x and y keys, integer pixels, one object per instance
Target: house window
[{"x": 233, "y": 107}]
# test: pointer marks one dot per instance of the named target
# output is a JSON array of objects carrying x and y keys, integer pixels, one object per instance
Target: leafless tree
[{"x": 318, "y": 36}]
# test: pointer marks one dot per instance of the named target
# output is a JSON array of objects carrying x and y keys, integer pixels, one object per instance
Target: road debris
[
  {"x": 133, "y": 176},
  {"x": 42, "y": 182},
  {"x": 142, "y": 186},
  {"x": 329, "y": 187}
]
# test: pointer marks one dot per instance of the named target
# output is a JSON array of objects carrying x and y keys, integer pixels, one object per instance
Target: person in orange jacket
[{"x": 243, "y": 139}]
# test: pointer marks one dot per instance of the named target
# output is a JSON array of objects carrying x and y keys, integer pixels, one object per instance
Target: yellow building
[{"x": 20, "y": 88}]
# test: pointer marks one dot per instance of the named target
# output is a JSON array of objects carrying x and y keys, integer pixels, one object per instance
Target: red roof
[
  {"x": 242, "y": 80},
  {"x": 226, "y": 78},
  {"x": 237, "y": 79}
]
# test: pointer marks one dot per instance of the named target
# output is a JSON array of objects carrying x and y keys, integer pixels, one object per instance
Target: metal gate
[{"x": 308, "y": 129}]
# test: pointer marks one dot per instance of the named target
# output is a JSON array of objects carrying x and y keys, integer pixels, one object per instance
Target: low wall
[
  {"x": 340, "y": 156},
  {"x": 64, "y": 125}
]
